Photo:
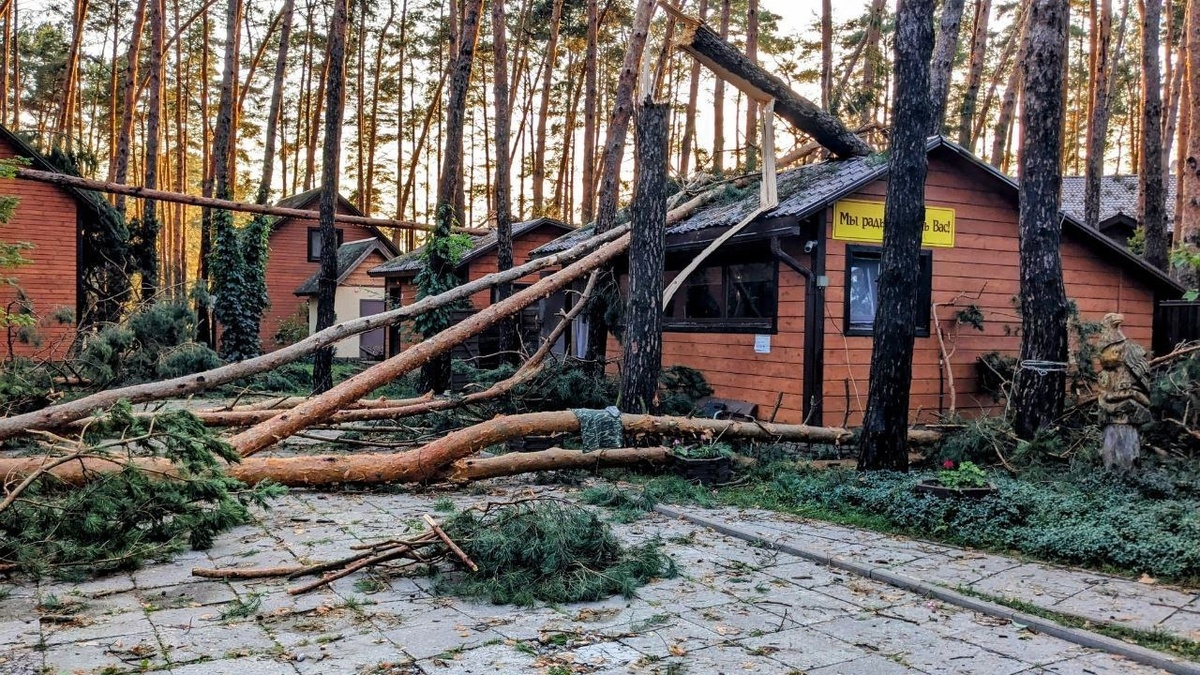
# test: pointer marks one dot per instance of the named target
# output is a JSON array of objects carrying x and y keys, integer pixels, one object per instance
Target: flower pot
[
  {"x": 705, "y": 471},
  {"x": 933, "y": 487}
]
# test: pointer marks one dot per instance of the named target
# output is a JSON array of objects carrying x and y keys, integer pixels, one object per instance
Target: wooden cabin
[
  {"x": 781, "y": 316},
  {"x": 357, "y": 295},
  {"x": 295, "y": 245},
  {"x": 52, "y": 219},
  {"x": 480, "y": 260}
]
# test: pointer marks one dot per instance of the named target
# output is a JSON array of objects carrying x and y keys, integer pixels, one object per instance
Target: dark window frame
[
  {"x": 341, "y": 236},
  {"x": 746, "y": 325},
  {"x": 924, "y": 289}
]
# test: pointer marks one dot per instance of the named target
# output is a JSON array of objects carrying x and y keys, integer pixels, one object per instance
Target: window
[
  {"x": 862, "y": 290},
  {"x": 725, "y": 298},
  {"x": 314, "y": 243}
]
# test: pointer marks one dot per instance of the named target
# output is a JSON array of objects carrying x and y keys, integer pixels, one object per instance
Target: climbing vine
[
  {"x": 238, "y": 270},
  {"x": 441, "y": 254}
]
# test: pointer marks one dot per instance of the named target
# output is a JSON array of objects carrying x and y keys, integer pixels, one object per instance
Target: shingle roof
[
  {"x": 807, "y": 189},
  {"x": 1118, "y": 197},
  {"x": 87, "y": 198},
  {"x": 304, "y": 200},
  {"x": 349, "y": 256},
  {"x": 414, "y": 260}
]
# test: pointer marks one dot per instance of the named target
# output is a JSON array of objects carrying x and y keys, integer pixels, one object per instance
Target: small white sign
[{"x": 762, "y": 344}]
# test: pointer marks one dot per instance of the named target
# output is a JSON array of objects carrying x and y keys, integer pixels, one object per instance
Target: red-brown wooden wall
[{"x": 47, "y": 218}]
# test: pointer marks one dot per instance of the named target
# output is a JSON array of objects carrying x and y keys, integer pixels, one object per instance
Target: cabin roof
[
  {"x": 1118, "y": 197},
  {"x": 412, "y": 262},
  {"x": 305, "y": 200},
  {"x": 808, "y": 189},
  {"x": 87, "y": 199},
  {"x": 349, "y": 256}
]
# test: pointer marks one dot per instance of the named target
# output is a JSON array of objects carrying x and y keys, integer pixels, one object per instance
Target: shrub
[
  {"x": 24, "y": 386},
  {"x": 155, "y": 340}
]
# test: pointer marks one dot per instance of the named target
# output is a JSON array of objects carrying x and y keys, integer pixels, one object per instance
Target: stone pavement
[
  {"x": 1143, "y": 605},
  {"x": 735, "y": 609}
]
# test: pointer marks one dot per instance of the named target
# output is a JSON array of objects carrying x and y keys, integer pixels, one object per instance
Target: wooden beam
[
  {"x": 731, "y": 65},
  {"x": 67, "y": 180}
]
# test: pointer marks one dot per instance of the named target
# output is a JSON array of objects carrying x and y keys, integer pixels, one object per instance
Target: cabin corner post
[{"x": 814, "y": 337}]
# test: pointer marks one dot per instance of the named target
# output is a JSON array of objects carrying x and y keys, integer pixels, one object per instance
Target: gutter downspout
[{"x": 814, "y": 295}]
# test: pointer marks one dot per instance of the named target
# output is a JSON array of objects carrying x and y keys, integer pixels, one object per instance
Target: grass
[{"x": 1157, "y": 640}]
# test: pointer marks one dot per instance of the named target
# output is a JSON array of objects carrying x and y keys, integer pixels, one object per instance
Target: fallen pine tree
[{"x": 434, "y": 460}]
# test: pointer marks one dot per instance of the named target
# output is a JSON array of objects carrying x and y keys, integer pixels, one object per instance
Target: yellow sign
[{"x": 863, "y": 221}]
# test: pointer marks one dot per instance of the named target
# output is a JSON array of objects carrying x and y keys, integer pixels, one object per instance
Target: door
[{"x": 370, "y": 344}]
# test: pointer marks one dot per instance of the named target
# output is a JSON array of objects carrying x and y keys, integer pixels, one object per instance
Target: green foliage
[
  {"x": 710, "y": 450},
  {"x": 237, "y": 267},
  {"x": 962, "y": 475},
  {"x": 548, "y": 551},
  {"x": 971, "y": 315},
  {"x": 155, "y": 342},
  {"x": 1143, "y": 523},
  {"x": 1083, "y": 351},
  {"x": 442, "y": 252},
  {"x": 292, "y": 329},
  {"x": 1137, "y": 242},
  {"x": 995, "y": 372},
  {"x": 24, "y": 386},
  {"x": 1185, "y": 258},
  {"x": 118, "y": 520},
  {"x": 679, "y": 389},
  {"x": 291, "y": 378}
]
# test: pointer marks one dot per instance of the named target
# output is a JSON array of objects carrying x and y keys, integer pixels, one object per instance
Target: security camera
[{"x": 810, "y": 245}]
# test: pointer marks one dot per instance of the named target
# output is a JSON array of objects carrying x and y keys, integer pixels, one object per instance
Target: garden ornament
[{"x": 1124, "y": 400}]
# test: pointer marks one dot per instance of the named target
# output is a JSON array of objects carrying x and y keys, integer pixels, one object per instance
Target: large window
[
  {"x": 314, "y": 243},
  {"x": 862, "y": 290},
  {"x": 726, "y": 298}
]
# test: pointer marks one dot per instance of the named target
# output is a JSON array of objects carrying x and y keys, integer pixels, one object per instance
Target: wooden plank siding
[
  {"x": 288, "y": 267},
  {"x": 985, "y": 258},
  {"x": 47, "y": 217}
]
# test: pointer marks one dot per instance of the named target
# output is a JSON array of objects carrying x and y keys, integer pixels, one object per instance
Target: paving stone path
[
  {"x": 1143, "y": 605},
  {"x": 735, "y": 609}
]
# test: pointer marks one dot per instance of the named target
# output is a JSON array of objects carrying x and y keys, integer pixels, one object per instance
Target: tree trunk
[
  {"x": 966, "y": 112},
  {"x": 555, "y": 459},
  {"x": 120, "y": 168},
  {"x": 539, "y": 146},
  {"x": 1101, "y": 21},
  {"x": 507, "y": 343},
  {"x": 727, "y": 62},
  {"x": 1008, "y": 104},
  {"x": 147, "y": 247},
  {"x": 590, "y": 102},
  {"x": 719, "y": 102},
  {"x": 268, "y": 166},
  {"x": 689, "y": 119},
  {"x": 610, "y": 174},
  {"x": 826, "y": 53},
  {"x": 1039, "y": 385},
  {"x": 206, "y": 325},
  {"x": 439, "y": 271},
  {"x": 1151, "y": 195},
  {"x": 942, "y": 68},
  {"x": 883, "y": 443},
  {"x": 751, "y": 104},
  {"x": 318, "y": 409},
  {"x": 330, "y": 174},
  {"x": 62, "y": 414},
  {"x": 872, "y": 58},
  {"x": 642, "y": 343},
  {"x": 70, "y": 95}
]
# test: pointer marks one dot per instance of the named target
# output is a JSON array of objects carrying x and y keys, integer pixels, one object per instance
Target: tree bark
[
  {"x": 1151, "y": 194},
  {"x": 942, "y": 68},
  {"x": 436, "y": 373},
  {"x": 966, "y": 112},
  {"x": 826, "y": 53},
  {"x": 60, "y": 415},
  {"x": 1101, "y": 21},
  {"x": 872, "y": 56},
  {"x": 751, "y": 104},
  {"x": 507, "y": 342},
  {"x": 883, "y": 444},
  {"x": 1039, "y": 385},
  {"x": 147, "y": 247},
  {"x": 1008, "y": 104},
  {"x": 321, "y": 407},
  {"x": 728, "y": 63},
  {"x": 120, "y": 168},
  {"x": 689, "y": 119},
  {"x": 539, "y": 145},
  {"x": 590, "y": 102},
  {"x": 335, "y": 103},
  {"x": 1188, "y": 231},
  {"x": 268, "y": 165},
  {"x": 719, "y": 101},
  {"x": 610, "y": 177},
  {"x": 71, "y": 89},
  {"x": 642, "y": 344},
  {"x": 555, "y": 459}
]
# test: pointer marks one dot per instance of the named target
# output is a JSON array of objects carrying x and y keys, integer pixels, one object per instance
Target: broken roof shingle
[
  {"x": 349, "y": 256},
  {"x": 414, "y": 260}
]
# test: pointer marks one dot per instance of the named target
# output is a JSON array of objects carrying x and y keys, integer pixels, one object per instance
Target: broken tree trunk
[
  {"x": 736, "y": 68},
  {"x": 554, "y": 459},
  {"x": 58, "y": 416},
  {"x": 320, "y": 408},
  {"x": 211, "y": 202},
  {"x": 430, "y": 461}
]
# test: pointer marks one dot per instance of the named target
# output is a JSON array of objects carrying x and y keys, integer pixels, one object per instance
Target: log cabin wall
[
  {"x": 985, "y": 261},
  {"x": 47, "y": 216},
  {"x": 288, "y": 267}
]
